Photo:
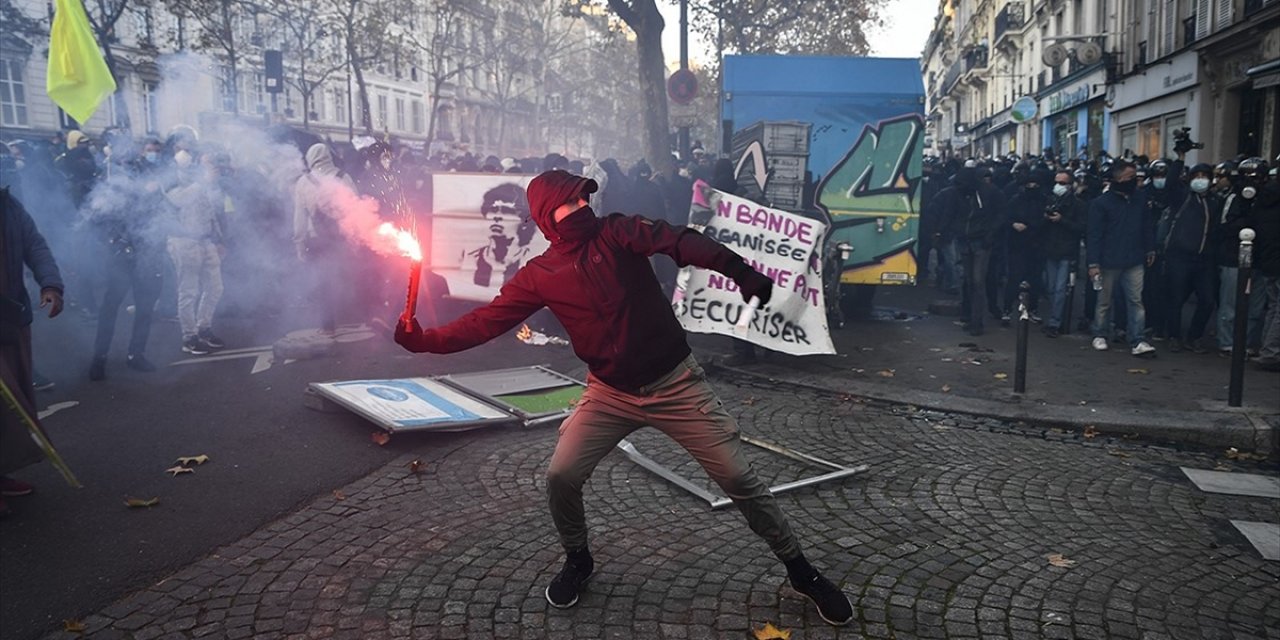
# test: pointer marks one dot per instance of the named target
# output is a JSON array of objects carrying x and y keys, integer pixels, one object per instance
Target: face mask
[
  {"x": 1158, "y": 182},
  {"x": 684, "y": 173},
  {"x": 1060, "y": 189},
  {"x": 1248, "y": 192},
  {"x": 106, "y": 151},
  {"x": 182, "y": 158},
  {"x": 1200, "y": 185},
  {"x": 152, "y": 157},
  {"x": 1125, "y": 187}
]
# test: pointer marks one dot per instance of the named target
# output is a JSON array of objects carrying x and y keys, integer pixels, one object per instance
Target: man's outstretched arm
[{"x": 514, "y": 304}]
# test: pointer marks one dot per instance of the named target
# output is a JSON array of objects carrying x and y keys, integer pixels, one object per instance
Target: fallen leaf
[
  {"x": 770, "y": 632},
  {"x": 415, "y": 466},
  {"x": 1057, "y": 560},
  {"x": 338, "y": 495},
  {"x": 381, "y": 438},
  {"x": 1000, "y": 376},
  {"x": 935, "y": 349},
  {"x": 74, "y": 626},
  {"x": 1221, "y": 467},
  {"x": 844, "y": 397},
  {"x": 1235, "y": 454},
  {"x": 200, "y": 459},
  {"x": 134, "y": 503},
  {"x": 174, "y": 471},
  {"x": 750, "y": 401},
  {"x": 1138, "y": 371},
  {"x": 885, "y": 373},
  {"x": 1090, "y": 432},
  {"x": 946, "y": 388},
  {"x": 948, "y": 359},
  {"x": 1118, "y": 454}
]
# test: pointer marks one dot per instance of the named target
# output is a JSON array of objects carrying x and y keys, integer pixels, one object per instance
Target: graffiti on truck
[{"x": 872, "y": 198}]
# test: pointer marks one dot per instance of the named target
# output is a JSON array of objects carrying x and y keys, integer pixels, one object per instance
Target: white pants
[{"x": 199, "y": 269}]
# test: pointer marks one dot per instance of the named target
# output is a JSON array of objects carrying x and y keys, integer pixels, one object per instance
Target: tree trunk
[
  {"x": 645, "y": 20},
  {"x": 366, "y": 117}
]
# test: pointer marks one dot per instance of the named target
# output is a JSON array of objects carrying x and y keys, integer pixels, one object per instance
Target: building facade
[
  {"x": 1077, "y": 78},
  {"x": 493, "y": 99}
]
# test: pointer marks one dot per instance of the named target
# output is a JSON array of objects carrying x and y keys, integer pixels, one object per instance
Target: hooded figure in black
[
  {"x": 595, "y": 277},
  {"x": 972, "y": 212},
  {"x": 1026, "y": 260}
]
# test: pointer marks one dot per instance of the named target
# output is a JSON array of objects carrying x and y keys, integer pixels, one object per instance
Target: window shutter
[
  {"x": 1202, "y": 18},
  {"x": 1224, "y": 14},
  {"x": 1170, "y": 36}
]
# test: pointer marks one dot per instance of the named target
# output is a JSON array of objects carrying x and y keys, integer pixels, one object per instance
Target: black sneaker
[
  {"x": 194, "y": 346},
  {"x": 832, "y": 604},
  {"x": 562, "y": 593},
  {"x": 98, "y": 369},
  {"x": 211, "y": 340},
  {"x": 139, "y": 362}
]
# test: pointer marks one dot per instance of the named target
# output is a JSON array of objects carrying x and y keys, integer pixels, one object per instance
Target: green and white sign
[{"x": 1024, "y": 109}]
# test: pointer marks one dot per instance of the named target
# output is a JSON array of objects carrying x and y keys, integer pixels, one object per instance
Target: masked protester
[
  {"x": 1187, "y": 243},
  {"x": 21, "y": 247},
  {"x": 1059, "y": 240},
  {"x": 1165, "y": 194},
  {"x": 316, "y": 236},
  {"x": 1266, "y": 262},
  {"x": 973, "y": 214},
  {"x": 596, "y": 278},
  {"x": 128, "y": 223},
  {"x": 1238, "y": 214},
  {"x": 1025, "y": 256},
  {"x": 196, "y": 247},
  {"x": 1120, "y": 245}
]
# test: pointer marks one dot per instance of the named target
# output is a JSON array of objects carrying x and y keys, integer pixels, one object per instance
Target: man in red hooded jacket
[{"x": 597, "y": 280}]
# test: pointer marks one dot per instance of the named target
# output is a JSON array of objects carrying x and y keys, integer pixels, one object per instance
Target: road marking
[{"x": 56, "y": 407}]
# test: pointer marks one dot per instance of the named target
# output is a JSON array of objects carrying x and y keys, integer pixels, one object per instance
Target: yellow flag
[{"x": 78, "y": 78}]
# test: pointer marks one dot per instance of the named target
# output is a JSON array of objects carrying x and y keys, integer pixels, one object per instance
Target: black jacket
[
  {"x": 1237, "y": 214},
  {"x": 1193, "y": 226},
  {"x": 595, "y": 277},
  {"x": 973, "y": 215},
  {"x": 1061, "y": 240},
  {"x": 1120, "y": 232},
  {"x": 1026, "y": 207},
  {"x": 1266, "y": 247}
]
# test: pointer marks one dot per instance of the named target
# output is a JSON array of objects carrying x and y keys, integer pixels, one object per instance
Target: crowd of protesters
[{"x": 1142, "y": 236}]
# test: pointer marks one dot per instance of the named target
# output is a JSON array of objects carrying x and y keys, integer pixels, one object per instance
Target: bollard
[
  {"x": 1065, "y": 329},
  {"x": 1240, "y": 339},
  {"x": 1024, "y": 328}
]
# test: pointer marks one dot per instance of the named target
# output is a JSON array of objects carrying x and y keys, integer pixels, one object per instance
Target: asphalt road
[{"x": 66, "y": 552}]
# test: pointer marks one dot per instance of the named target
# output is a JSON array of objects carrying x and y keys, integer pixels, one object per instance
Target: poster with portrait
[{"x": 481, "y": 232}]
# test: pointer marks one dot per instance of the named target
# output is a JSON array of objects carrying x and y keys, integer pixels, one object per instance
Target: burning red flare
[{"x": 405, "y": 242}]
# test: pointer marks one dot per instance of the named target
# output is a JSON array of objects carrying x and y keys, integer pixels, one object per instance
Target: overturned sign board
[
  {"x": 412, "y": 404},
  {"x": 537, "y": 395},
  {"x": 527, "y": 396},
  {"x": 834, "y": 472}
]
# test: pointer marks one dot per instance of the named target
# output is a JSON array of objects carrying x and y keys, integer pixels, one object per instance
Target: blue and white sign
[{"x": 411, "y": 403}]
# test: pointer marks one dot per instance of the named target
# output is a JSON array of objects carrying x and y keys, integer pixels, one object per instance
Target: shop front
[
  {"x": 1074, "y": 117},
  {"x": 1147, "y": 108}
]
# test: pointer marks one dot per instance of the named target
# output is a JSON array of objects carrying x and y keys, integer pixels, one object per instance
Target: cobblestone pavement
[{"x": 947, "y": 535}]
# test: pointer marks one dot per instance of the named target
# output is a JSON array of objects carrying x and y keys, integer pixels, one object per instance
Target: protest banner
[{"x": 782, "y": 245}]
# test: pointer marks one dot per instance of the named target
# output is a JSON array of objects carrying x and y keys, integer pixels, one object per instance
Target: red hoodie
[{"x": 596, "y": 279}]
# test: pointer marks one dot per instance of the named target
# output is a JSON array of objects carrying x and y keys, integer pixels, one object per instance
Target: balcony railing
[
  {"x": 1010, "y": 17},
  {"x": 975, "y": 58},
  {"x": 953, "y": 75},
  {"x": 1252, "y": 6}
]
